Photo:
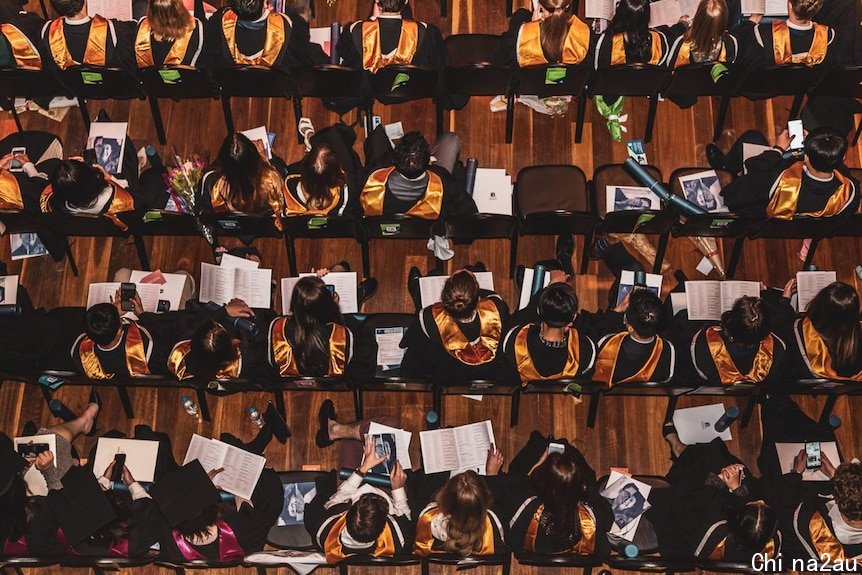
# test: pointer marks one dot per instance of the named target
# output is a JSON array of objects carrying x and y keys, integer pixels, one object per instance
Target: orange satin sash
[
  {"x": 285, "y": 359},
  {"x": 683, "y": 57},
  {"x": 334, "y": 550},
  {"x": 575, "y": 47},
  {"x": 276, "y": 36},
  {"x": 428, "y": 207},
  {"x": 372, "y": 56},
  {"x": 606, "y": 362},
  {"x": 25, "y": 53},
  {"x": 587, "y": 543},
  {"x": 144, "y": 47},
  {"x": 527, "y": 368},
  {"x": 177, "y": 363},
  {"x": 424, "y": 543},
  {"x": 294, "y": 207},
  {"x": 121, "y": 201},
  {"x": 618, "y": 49},
  {"x": 136, "y": 355},
  {"x": 788, "y": 187},
  {"x": 10, "y": 192},
  {"x": 456, "y": 344},
  {"x": 727, "y": 370},
  {"x": 95, "y": 54},
  {"x": 824, "y": 540},
  {"x": 784, "y": 53},
  {"x": 717, "y": 553},
  {"x": 818, "y": 354}
]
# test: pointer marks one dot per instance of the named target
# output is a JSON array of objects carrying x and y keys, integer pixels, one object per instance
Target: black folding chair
[
  {"x": 472, "y": 71},
  {"x": 255, "y": 82},
  {"x": 403, "y": 83},
  {"x": 310, "y": 227},
  {"x": 16, "y": 565},
  {"x": 632, "y": 80},
  {"x": 293, "y": 536},
  {"x": 461, "y": 563},
  {"x": 696, "y": 80},
  {"x": 545, "y": 387},
  {"x": 550, "y": 80},
  {"x": 651, "y": 564},
  {"x": 817, "y": 229},
  {"x": 719, "y": 566},
  {"x": 328, "y": 81},
  {"x": 842, "y": 82},
  {"x": 29, "y": 84},
  {"x": 480, "y": 387},
  {"x": 235, "y": 224},
  {"x": 375, "y": 563},
  {"x": 100, "y": 83},
  {"x": 196, "y": 565},
  {"x": 160, "y": 223},
  {"x": 394, "y": 227},
  {"x": 461, "y": 229},
  {"x": 672, "y": 391},
  {"x": 586, "y": 563},
  {"x": 104, "y": 565},
  {"x": 174, "y": 83}
]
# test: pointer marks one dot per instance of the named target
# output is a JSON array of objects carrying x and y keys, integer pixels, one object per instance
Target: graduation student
[{"x": 168, "y": 36}]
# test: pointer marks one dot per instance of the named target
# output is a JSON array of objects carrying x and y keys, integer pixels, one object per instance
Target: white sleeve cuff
[
  {"x": 399, "y": 495},
  {"x": 104, "y": 483},
  {"x": 138, "y": 492}
]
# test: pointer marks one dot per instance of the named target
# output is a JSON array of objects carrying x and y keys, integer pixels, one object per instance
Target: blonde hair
[
  {"x": 169, "y": 19},
  {"x": 707, "y": 27},
  {"x": 464, "y": 500}
]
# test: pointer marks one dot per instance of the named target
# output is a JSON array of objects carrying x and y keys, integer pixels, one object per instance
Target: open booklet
[
  {"x": 628, "y": 499},
  {"x": 262, "y": 139},
  {"x": 809, "y": 284},
  {"x": 342, "y": 283},
  {"x": 108, "y": 140},
  {"x": 456, "y": 448},
  {"x": 668, "y": 12},
  {"x": 222, "y": 283},
  {"x": 430, "y": 287},
  {"x": 603, "y": 9},
  {"x": 697, "y": 424},
  {"x": 788, "y": 451},
  {"x": 703, "y": 189},
  {"x": 765, "y": 7},
  {"x": 708, "y": 299},
  {"x": 628, "y": 279},
  {"x": 106, "y": 292},
  {"x": 140, "y": 456},
  {"x": 241, "y": 469}
]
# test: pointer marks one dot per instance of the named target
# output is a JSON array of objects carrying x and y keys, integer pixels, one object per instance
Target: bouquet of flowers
[{"x": 182, "y": 181}]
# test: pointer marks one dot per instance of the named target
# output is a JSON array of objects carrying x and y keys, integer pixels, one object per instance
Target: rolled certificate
[
  {"x": 643, "y": 177},
  {"x": 370, "y": 478},
  {"x": 470, "y": 174},
  {"x": 334, "y": 34}
]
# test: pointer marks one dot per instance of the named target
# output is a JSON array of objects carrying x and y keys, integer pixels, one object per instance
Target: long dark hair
[
  {"x": 244, "y": 168},
  {"x": 198, "y": 526},
  {"x": 632, "y": 19},
  {"x": 753, "y": 526},
  {"x": 834, "y": 313},
  {"x": 321, "y": 172},
  {"x": 554, "y": 28},
  {"x": 559, "y": 483},
  {"x": 312, "y": 307}
]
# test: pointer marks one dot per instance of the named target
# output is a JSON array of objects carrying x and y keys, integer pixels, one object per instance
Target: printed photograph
[
  {"x": 296, "y": 497},
  {"x": 703, "y": 189},
  {"x": 26, "y": 245}
]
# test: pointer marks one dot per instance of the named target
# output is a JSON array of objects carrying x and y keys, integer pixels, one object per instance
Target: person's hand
[
  {"x": 238, "y": 308},
  {"x": 826, "y": 466},
  {"x": 624, "y": 304},
  {"x": 212, "y": 473},
  {"x": 320, "y": 272},
  {"x": 375, "y": 11},
  {"x": 789, "y": 288},
  {"x": 109, "y": 471},
  {"x": 539, "y": 462},
  {"x": 756, "y": 18},
  {"x": 732, "y": 476},
  {"x": 782, "y": 140},
  {"x": 44, "y": 460},
  {"x": 6, "y": 161},
  {"x": 128, "y": 478},
  {"x": 104, "y": 172},
  {"x": 23, "y": 158},
  {"x": 685, "y": 19},
  {"x": 799, "y": 462},
  {"x": 370, "y": 459},
  {"x": 495, "y": 461},
  {"x": 398, "y": 478}
]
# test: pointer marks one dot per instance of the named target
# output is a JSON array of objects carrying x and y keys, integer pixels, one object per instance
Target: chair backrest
[
  {"x": 789, "y": 79},
  {"x": 696, "y": 80},
  {"x": 466, "y": 49},
  {"x": 843, "y": 81},
  {"x": 480, "y": 226},
  {"x": 240, "y": 224},
  {"x": 101, "y": 83},
  {"x": 614, "y": 175},
  {"x": 178, "y": 82},
  {"x": 553, "y": 80},
  {"x": 293, "y": 535},
  {"x": 15, "y": 82},
  {"x": 329, "y": 81},
  {"x": 398, "y": 226},
  {"x": 551, "y": 188},
  {"x": 335, "y": 227},
  {"x": 253, "y": 82},
  {"x": 160, "y": 223},
  {"x": 629, "y": 80},
  {"x": 17, "y": 222},
  {"x": 403, "y": 83},
  {"x": 81, "y": 225}
]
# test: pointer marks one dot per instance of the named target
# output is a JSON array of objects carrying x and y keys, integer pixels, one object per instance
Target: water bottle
[
  {"x": 834, "y": 421},
  {"x": 859, "y": 272},
  {"x": 538, "y": 280},
  {"x": 470, "y": 173},
  {"x": 189, "y": 405},
  {"x": 255, "y": 417},
  {"x": 631, "y": 551},
  {"x": 725, "y": 420},
  {"x": 432, "y": 419}
]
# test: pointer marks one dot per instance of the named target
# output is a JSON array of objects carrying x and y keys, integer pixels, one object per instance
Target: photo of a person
[
  {"x": 704, "y": 190},
  {"x": 108, "y": 154},
  {"x": 296, "y": 496},
  {"x": 3, "y": 291},
  {"x": 384, "y": 444},
  {"x": 630, "y": 198},
  {"x": 26, "y": 245},
  {"x": 628, "y": 505}
]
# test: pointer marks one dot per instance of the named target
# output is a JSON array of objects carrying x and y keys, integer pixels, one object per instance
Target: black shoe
[
  {"x": 479, "y": 267},
  {"x": 565, "y": 249},
  {"x": 327, "y": 412},
  {"x": 714, "y": 157},
  {"x": 413, "y": 286},
  {"x": 59, "y": 410},
  {"x": 94, "y": 397},
  {"x": 276, "y": 423},
  {"x": 29, "y": 429},
  {"x": 667, "y": 428},
  {"x": 600, "y": 246},
  {"x": 366, "y": 289}
]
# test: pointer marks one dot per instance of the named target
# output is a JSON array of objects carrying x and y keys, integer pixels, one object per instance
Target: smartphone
[
  {"x": 17, "y": 166},
  {"x": 163, "y": 306},
  {"x": 127, "y": 295},
  {"x": 119, "y": 464},
  {"x": 556, "y": 448},
  {"x": 812, "y": 455},
  {"x": 25, "y": 449},
  {"x": 796, "y": 135},
  {"x": 331, "y": 288}
]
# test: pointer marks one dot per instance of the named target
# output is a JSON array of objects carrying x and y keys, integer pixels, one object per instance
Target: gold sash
[
  {"x": 25, "y": 53},
  {"x": 285, "y": 360},
  {"x": 575, "y": 48},
  {"x": 177, "y": 363},
  {"x": 220, "y": 196},
  {"x": 428, "y": 207},
  {"x": 527, "y": 369},
  {"x": 618, "y": 49},
  {"x": 606, "y": 362},
  {"x": 293, "y": 207},
  {"x": 144, "y": 47},
  {"x": 784, "y": 53},
  {"x": 10, "y": 192},
  {"x": 424, "y": 544},
  {"x": 587, "y": 543},
  {"x": 121, "y": 201},
  {"x": 95, "y": 54},
  {"x": 275, "y": 38},
  {"x": 372, "y": 57},
  {"x": 683, "y": 57},
  {"x": 824, "y": 540},
  {"x": 727, "y": 370},
  {"x": 786, "y": 190},
  {"x": 818, "y": 354},
  {"x": 136, "y": 355},
  {"x": 717, "y": 553},
  {"x": 456, "y": 344},
  {"x": 334, "y": 551}
]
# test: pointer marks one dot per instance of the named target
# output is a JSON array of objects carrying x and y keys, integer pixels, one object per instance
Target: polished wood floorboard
[{"x": 628, "y": 429}]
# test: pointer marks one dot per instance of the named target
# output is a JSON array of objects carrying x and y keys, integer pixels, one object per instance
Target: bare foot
[
  {"x": 89, "y": 416},
  {"x": 676, "y": 445}
]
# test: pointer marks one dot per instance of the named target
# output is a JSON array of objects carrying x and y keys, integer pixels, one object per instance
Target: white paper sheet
[
  {"x": 430, "y": 287},
  {"x": 171, "y": 290},
  {"x": 708, "y": 299},
  {"x": 603, "y": 9},
  {"x": 48, "y": 438},
  {"x": 753, "y": 7},
  {"x": 402, "y": 442},
  {"x": 527, "y": 285},
  {"x": 788, "y": 451},
  {"x": 8, "y": 290},
  {"x": 229, "y": 261},
  {"x": 809, "y": 284},
  {"x": 222, "y": 284},
  {"x": 241, "y": 469},
  {"x": 616, "y": 481},
  {"x": 106, "y": 291},
  {"x": 456, "y": 448},
  {"x": 389, "y": 351},
  {"x": 775, "y": 8},
  {"x": 140, "y": 456},
  {"x": 697, "y": 424},
  {"x": 664, "y": 13},
  {"x": 112, "y": 9},
  {"x": 345, "y": 284},
  {"x": 492, "y": 191}
]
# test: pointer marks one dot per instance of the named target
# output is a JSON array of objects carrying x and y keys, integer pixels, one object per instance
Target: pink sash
[
  {"x": 18, "y": 547},
  {"x": 228, "y": 546},
  {"x": 117, "y": 549}
]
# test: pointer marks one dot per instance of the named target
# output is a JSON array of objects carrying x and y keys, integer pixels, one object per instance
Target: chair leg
[
  {"x": 69, "y": 256},
  {"x": 735, "y": 256},
  {"x": 444, "y": 9},
  {"x": 827, "y": 408},
  {"x": 582, "y": 111},
  {"x": 357, "y": 403},
  {"x": 291, "y": 254},
  {"x": 513, "y": 254},
  {"x": 440, "y": 113},
  {"x": 278, "y": 399},
  {"x": 142, "y": 252},
  {"x": 659, "y": 252},
  {"x": 749, "y": 410},
  {"x": 507, "y": 565},
  {"x": 510, "y": 116},
  {"x": 228, "y": 114},
  {"x": 507, "y": 2},
  {"x": 856, "y": 135},
  {"x": 126, "y": 401},
  {"x": 809, "y": 257},
  {"x": 437, "y": 403},
  {"x": 16, "y": 117},
  {"x": 671, "y": 407},
  {"x": 796, "y": 106},
  {"x": 723, "y": 107},
  {"x": 297, "y": 114},
  {"x": 426, "y": 567},
  {"x": 343, "y": 568},
  {"x": 203, "y": 404},
  {"x": 515, "y": 409},
  {"x": 85, "y": 112},
  {"x": 585, "y": 252},
  {"x": 366, "y": 258},
  {"x": 594, "y": 409},
  {"x": 44, "y": 10},
  {"x": 158, "y": 122},
  {"x": 650, "y": 123}
]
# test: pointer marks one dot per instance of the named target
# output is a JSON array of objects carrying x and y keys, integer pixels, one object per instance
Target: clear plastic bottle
[
  {"x": 189, "y": 405},
  {"x": 255, "y": 416}
]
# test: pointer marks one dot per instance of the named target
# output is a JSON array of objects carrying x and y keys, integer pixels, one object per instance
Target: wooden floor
[{"x": 628, "y": 430}]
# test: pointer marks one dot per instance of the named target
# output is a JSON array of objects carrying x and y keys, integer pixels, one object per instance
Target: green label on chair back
[
  {"x": 170, "y": 76},
  {"x": 643, "y": 219},
  {"x": 555, "y": 75},
  {"x": 390, "y": 229},
  {"x": 152, "y": 216},
  {"x": 400, "y": 79},
  {"x": 317, "y": 223},
  {"x": 720, "y": 223},
  {"x": 91, "y": 78},
  {"x": 717, "y": 72}
]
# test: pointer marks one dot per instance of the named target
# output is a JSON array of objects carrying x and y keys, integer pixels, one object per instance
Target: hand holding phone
[
  {"x": 812, "y": 455},
  {"x": 16, "y": 165},
  {"x": 119, "y": 465},
  {"x": 127, "y": 296},
  {"x": 797, "y": 136}
]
